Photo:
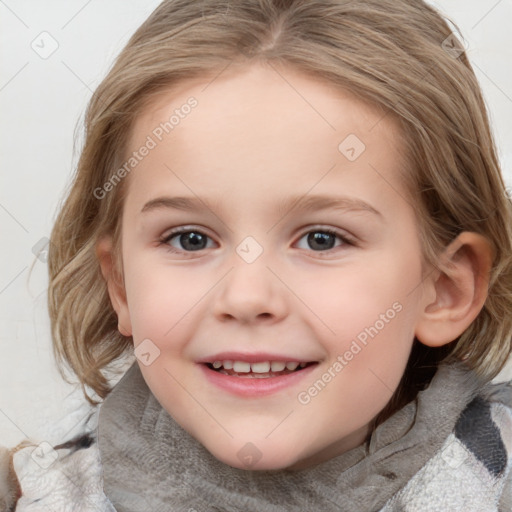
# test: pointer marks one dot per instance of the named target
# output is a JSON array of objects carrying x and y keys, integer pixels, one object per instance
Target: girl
[{"x": 328, "y": 339}]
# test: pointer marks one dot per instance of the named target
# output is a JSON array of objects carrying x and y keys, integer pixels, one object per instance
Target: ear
[
  {"x": 116, "y": 290},
  {"x": 459, "y": 287}
]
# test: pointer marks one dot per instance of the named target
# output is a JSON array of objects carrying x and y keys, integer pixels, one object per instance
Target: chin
[{"x": 251, "y": 457}]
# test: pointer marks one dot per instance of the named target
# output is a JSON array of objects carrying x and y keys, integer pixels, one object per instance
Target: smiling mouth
[{"x": 262, "y": 370}]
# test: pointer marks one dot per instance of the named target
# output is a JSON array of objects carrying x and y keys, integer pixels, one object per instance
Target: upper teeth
[{"x": 260, "y": 367}]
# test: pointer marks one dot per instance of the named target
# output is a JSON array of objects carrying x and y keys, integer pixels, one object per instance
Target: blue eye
[{"x": 192, "y": 240}]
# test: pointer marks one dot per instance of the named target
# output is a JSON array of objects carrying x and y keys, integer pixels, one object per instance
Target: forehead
[
  {"x": 261, "y": 126},
  {"x": 244, "y": 89}
]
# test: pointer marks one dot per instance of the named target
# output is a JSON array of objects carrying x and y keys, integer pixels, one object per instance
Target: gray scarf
[{"x": 152, "y": 464}]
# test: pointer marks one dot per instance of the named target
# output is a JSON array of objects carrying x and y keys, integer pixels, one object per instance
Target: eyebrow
[{"x": 305, "y": 203}]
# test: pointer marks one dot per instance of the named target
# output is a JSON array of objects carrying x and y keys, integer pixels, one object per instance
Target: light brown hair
[{"x": 400, "y": 55}]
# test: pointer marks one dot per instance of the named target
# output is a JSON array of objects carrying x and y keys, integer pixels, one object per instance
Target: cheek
[
  {"x": 370, "y": 314},
  {"x": 352, "y": 299},
  {"x": 160, "y": 298}
]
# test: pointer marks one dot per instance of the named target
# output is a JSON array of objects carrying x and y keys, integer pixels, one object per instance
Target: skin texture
[{"x": 259, "y": 136}]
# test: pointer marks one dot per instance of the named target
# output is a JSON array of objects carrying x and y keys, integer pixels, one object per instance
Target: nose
[{"x": 251, "y": 292}]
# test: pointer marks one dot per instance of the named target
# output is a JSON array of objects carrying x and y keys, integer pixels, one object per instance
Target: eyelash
[{"x": 346, "y": 240}]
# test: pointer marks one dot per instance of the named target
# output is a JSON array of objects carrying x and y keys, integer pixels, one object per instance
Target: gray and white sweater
[{"x": 448, "y": 450}]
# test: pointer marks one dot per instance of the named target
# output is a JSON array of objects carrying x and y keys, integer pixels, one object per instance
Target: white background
[{"x": 41, "y": 102}]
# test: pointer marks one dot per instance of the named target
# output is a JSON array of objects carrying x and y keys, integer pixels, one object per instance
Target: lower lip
[{"x": 248, "y": 386}]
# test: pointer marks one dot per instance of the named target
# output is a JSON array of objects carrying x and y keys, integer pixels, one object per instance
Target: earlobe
[
  {"x": 460, "y": 290},
  {"x": 116, "y": 290}
]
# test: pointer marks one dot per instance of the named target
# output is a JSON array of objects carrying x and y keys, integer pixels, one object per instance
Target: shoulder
[
  {"x": 473, "y": 469},
  {"x": 9, "y": 488},
  {"x": 62, "y": 477}
]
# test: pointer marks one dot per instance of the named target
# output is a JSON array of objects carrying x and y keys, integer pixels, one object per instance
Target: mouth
[
  {"x": 256, "y": 376},
  {"x": 258, "y": 370}
]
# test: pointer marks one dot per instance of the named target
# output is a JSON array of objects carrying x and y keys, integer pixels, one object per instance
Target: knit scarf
[{"x": 150, "y": 463}]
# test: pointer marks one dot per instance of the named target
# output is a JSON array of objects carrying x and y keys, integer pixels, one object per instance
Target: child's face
[{"x": 260, "y": 283}]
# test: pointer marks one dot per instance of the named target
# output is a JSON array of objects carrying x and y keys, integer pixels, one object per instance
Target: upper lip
[{"x": 253, "y": 357}]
